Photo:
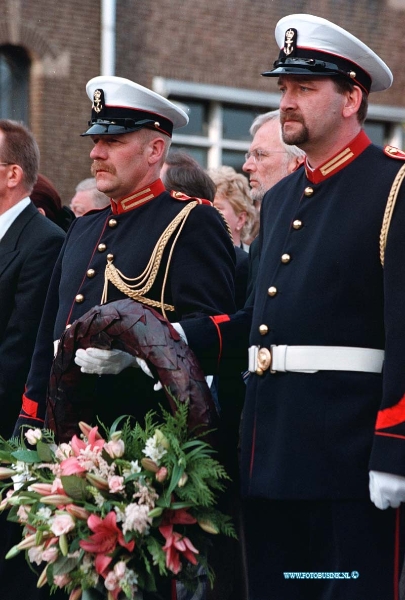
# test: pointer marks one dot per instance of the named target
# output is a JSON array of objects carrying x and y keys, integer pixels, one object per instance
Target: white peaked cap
[
  {"x": 313, "y": 45},
  {"x": 120, "y": 106}
]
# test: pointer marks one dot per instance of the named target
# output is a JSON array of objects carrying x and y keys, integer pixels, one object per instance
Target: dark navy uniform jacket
[
  {"x": 320, "y": 282},
  {"x": 200, "y": 281}
]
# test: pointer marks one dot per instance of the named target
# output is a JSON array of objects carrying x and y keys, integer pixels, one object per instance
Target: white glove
[
  {"x": 104, "y": 362},
  {"x": 180, "y": 331},
  {"x": 158, "y": 386},
  {"x": 386, "y": 489}
]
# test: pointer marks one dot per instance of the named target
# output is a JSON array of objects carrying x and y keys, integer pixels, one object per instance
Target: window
[
  {"x": 220, "y": 118},
  {"x": 14, "y": 78}
]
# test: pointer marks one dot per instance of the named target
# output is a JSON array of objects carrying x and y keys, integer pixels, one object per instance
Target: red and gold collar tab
[
  {"x": 138, "y": 198},
  {"x": 340, "y": 160}
]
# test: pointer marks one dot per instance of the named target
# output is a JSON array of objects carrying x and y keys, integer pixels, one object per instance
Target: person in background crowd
[
  {"x": 269, "y": 159},
  {"x": 87, "y": 197},
  {"x": 29, "y": 247},
  {"x": 323, "y": 429},
  {"x": 233, "y": 199},
  {"x": 182, "y": 173},
  {"x": 131, "y": 134},
  {"x": 48, "y": 202}
]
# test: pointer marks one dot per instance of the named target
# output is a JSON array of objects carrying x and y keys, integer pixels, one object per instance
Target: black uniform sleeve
[{"x": 388, "y": 452}]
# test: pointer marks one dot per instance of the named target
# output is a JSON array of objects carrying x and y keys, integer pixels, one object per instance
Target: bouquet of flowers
[{"x": 109, "y": 514}]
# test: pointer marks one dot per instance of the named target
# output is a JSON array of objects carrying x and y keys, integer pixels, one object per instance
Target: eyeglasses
[
  {"x": 258, "y": 154},
  {"x": 4, "y": 164}
]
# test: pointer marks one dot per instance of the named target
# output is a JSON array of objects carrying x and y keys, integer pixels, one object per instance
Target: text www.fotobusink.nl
[{"x": 318, "y": 575}]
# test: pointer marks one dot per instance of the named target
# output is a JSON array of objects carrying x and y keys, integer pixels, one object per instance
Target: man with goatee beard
[
  {"x": 323, "y": 426},
  {"x": 131, "y": 130}
]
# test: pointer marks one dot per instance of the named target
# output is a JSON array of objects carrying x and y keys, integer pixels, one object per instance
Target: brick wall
[{"x": 222, "y": 42}]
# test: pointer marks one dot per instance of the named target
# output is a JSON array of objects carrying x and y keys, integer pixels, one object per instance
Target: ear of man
[
  {"x": 15, "y": 176},
  {"x": 295, "y": 163},
  {"x": 156, "y": 150},
  {"x": 353, "y": 100}
]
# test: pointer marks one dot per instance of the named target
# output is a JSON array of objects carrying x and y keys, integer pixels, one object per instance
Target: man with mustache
[
  {"x": 130, "y": 131},
  {"x": 323, "y": 428},
  {"x": 181, "y": 276}
]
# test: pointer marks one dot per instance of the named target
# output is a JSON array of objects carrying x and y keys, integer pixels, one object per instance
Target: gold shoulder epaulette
[
  {"x": 394, "y": 152},
  {"x": 184, "y": 198}
]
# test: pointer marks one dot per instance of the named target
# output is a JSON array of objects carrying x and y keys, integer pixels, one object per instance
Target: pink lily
[
  {"x": 180, "y": 516},
  {"x": 104, "y": 540},
  {"x": 71, "y": 466},
  {"x": 177, "y": 545},
  {"x": 93, "y": 440}
]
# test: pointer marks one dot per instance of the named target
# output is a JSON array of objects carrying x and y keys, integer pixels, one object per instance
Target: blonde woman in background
[{"x": 233, "y": 199}]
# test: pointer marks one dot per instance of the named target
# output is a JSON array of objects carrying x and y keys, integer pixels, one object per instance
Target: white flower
[
  {"x": 154, "y": 449},
  {"x": 44, "y": 513},
  {"x": 120, "y": 514},
  {"x": 63, "y": 451},
  {"x": 134, "y": 468},
  {"x": 131, "y": 577},
  {"x": 120, "y": 569},
  {"x": 22, "y": 474},
  {"x": 35, "y": 554},
  {"x": 136, "y": 518},
  {"x": 87, "y": 563},
  {"x": 33, "y": 436},
  {"x": 99, "y": 499}
]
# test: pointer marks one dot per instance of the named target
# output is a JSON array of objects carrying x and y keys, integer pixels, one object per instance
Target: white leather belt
[{"x": 310, "y": 359}]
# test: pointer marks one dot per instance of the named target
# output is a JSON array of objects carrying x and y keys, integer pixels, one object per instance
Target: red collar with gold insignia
[
  {"x": 184, "y": 198},
  {"x": 340, "y": 160},
  {"x": 138, "y": 198}
]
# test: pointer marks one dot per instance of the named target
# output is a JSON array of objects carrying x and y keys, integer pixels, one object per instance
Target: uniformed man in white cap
[
  {"x": 131, "y": 129},
  {"x": 323, "y": 427}
]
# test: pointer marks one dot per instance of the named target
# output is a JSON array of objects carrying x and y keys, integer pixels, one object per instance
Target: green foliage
[{"x": 160, "y": 482}]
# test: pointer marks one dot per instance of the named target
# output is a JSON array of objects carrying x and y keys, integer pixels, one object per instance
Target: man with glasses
[
  {"x": 269, "y": 159},
  {"x": 29, "y": 246}
]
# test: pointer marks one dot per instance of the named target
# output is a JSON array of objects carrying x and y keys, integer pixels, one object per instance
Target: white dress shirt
[{"x": 8, "y": 217}]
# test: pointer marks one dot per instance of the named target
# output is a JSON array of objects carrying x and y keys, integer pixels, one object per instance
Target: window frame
[{"x": 218, "y": 96}]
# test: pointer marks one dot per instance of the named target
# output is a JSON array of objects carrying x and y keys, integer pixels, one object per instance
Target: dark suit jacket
[{"x": 28, "y": 252}]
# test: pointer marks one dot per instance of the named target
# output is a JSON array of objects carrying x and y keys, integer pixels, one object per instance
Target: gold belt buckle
[{"x": 263, "y": 360}]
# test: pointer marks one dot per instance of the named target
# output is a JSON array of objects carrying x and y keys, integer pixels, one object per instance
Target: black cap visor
[
  {"x": 117, "y": 127},
  {"x": 317, "y": 66}
]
